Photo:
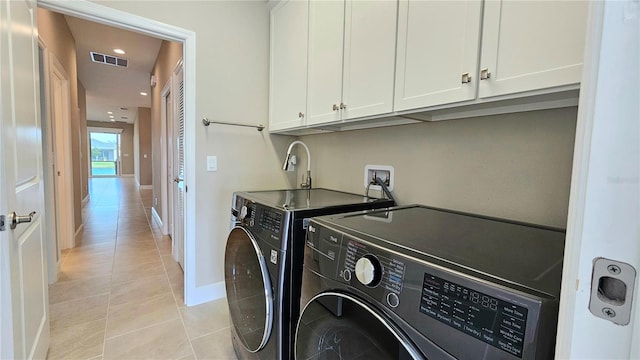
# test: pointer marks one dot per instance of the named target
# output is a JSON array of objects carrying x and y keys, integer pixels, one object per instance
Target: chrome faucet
[{"x": 307, "y": 183}]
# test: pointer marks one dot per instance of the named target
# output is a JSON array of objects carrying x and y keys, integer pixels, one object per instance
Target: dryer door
[
  {"x": 340, "y": 326},
  {"x": 249, "y": 291}
]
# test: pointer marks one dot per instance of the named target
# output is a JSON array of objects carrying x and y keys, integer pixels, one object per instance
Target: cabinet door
[
  {"x": 369, "y": 57},
  {"x": 288, "y": 86},
  {"x": 438, "y": 41},
  {"x": 531, "y": 45},
  {"x": 326, "y": 26}
]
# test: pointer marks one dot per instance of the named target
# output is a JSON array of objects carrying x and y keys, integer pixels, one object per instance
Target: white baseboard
[
  {"x": 203, "y": 294},
  {"x": 127, "y": 175},
  {"x": 145, "y": 187},
  {"x": 156, "y": 217},
  {"x": 75, "y": 236}
]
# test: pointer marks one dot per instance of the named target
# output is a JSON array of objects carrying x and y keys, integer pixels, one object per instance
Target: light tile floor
[{"x": 120, "y": 293}]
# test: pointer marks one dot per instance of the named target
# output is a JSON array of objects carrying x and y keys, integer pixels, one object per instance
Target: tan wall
[
  {"x": 126, "y": 143},
  {"x": 168, "y": 56},
  {"x": 57, "y": 38},
  {"x": 515, "y": 166},
  {"x": 232, "y": 76},
  {"x": 144, "y": 147}
]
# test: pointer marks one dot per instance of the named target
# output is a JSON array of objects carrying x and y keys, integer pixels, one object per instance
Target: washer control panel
[{"x": 265, "y": 222}]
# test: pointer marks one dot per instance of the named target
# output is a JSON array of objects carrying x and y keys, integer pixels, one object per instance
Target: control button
[
  {"x": 393, "y": 300},
  {"x": 243, "y": 212},
  {"x": 368, "y": 270},
  {"x": 346, "y": 275}
]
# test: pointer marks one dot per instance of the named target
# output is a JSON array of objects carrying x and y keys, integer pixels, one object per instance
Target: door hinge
[
  {"x": 186, "y": 188},
  {"x": 2, "y": 221}
]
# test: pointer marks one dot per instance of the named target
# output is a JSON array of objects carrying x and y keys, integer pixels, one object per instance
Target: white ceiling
[{"x": 114, "y": 88}]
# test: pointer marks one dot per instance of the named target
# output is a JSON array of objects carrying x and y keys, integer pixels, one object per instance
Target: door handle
[
  {"x": 15, "y": 219},
  {"x": 178, "y": 180}
]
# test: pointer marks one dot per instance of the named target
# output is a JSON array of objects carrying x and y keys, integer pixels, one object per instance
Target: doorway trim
[
  {"x": 112, "y": 17},
  {"x": 61, "y": 134},
  {"x": 54, "y": 254},
  {"x": 164, "y": 150}
]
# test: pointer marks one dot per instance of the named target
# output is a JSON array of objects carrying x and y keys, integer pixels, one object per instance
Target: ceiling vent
[{"x": 108, "y": 59}]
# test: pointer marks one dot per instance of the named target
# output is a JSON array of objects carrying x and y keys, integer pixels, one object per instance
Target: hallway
[{"x": 120, "y": 293}]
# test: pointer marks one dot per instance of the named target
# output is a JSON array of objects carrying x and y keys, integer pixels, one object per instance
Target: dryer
[
  {"x": 263, "y": 263},
  {"x": 418, "y": 282}
]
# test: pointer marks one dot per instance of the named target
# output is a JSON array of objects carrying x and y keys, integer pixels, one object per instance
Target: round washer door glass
[
  {"x": 248, "y": 289},
  {"x": 340, "y": 326}
]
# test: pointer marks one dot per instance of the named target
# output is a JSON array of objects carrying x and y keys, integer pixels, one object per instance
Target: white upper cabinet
[
  {"x": 351, "y": 59},
  {"x": 531, "y": 45},
  {"x": 437, "y": 52},
  {"x": 369, "y": 58},
  {"x": 326, "y": 25},
  {"x": 288, "y": 84}
]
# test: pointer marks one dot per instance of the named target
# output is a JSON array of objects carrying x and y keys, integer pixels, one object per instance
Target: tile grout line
[{"x": 106, "y": 322}]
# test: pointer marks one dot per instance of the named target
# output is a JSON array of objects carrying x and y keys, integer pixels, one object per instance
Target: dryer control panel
[{"x": 459, "y": 311}]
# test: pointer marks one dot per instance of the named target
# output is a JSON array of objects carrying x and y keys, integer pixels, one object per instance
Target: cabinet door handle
[
  {"x": 300, "y": 115},
  {"x": 485, "y": 74},
  {"x": 466, "y": 78},
  {"x": 335, "y": 107},
  {"x": 343, "y": 105}
]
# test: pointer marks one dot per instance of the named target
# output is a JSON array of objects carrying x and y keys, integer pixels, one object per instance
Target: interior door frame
[
  {"x": 112, "y": 17},
  {"x": 61, "y": 142},
  {"x": 177, "y": 240},
  {"x": 165, "y": 147},
  {"x": 54, "y": 254}
]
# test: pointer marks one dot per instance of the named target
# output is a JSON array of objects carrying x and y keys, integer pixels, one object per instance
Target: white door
[
  {"x": 169, "y": 120},
  {"x": 24, "y": 324},
  {"x": 604, "y": 207},
  {"x": 178, "y": 168},
  {"x": 60, "y": 95}
]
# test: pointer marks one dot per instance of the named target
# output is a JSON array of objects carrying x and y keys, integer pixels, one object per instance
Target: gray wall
[{"x": 514, "y": 166}]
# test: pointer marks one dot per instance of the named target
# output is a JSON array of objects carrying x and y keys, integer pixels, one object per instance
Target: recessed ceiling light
[
  {"x": 114, "y": 120},
  {"x": 109, "y": 112},
  {"x": 143, "y": 94},
  {"x": 119, "y": 51},
  {"x": 111, "y": 117}
]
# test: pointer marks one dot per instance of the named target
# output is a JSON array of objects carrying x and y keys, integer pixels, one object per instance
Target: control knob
[
  {"x": 369, "y": 270},
  {"x": 245, "y": 212}
]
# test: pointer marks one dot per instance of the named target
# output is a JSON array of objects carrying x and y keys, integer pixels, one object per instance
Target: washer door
[
  {"x": 339, "y": 326},
  {"x": 249, "y": 292}
]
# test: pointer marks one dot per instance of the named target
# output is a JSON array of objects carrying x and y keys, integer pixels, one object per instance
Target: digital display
[{"x": 493, "y": 321}]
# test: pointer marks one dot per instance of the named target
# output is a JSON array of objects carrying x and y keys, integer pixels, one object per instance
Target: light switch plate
[{"x": 212, "y": 163}]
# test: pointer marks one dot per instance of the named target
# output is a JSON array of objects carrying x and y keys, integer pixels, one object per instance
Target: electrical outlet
[{"x": 384, "y": 172}]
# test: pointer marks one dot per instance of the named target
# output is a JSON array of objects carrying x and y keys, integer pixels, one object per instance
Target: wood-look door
[{"x": 24, "y": 325}]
